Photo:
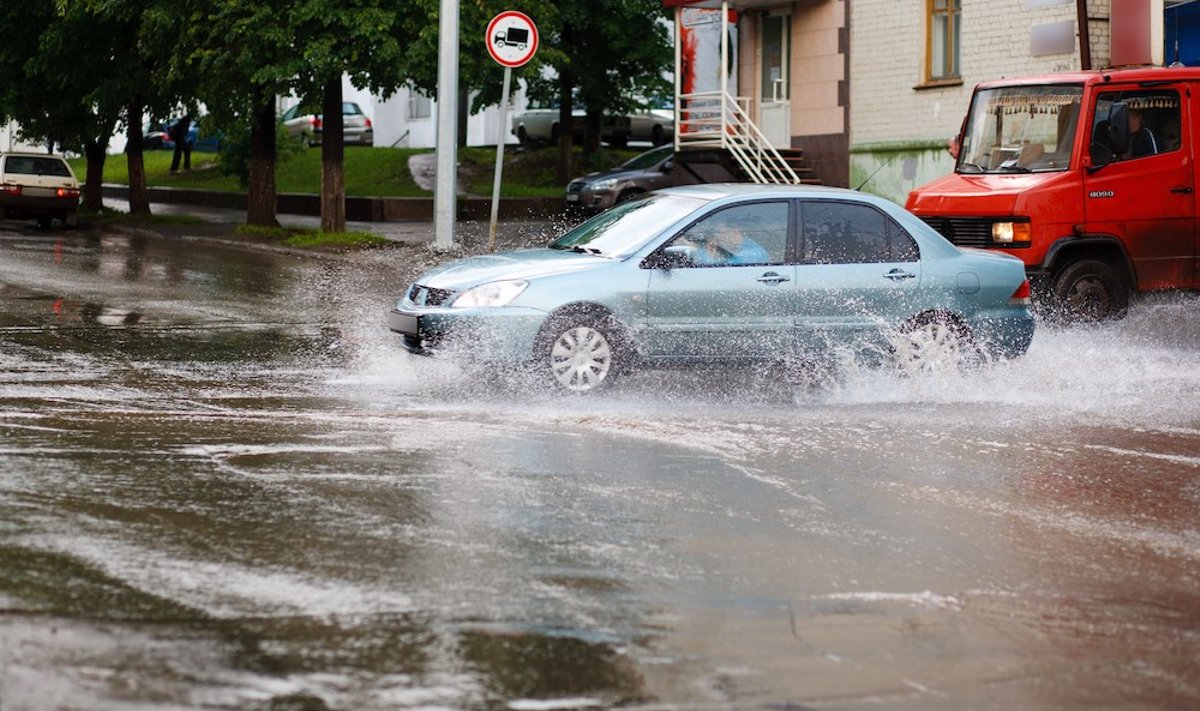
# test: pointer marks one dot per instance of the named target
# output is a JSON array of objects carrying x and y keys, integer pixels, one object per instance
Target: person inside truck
[{"x": 1142, "y": 141}]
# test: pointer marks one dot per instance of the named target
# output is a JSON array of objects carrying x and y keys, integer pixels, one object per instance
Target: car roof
[
  {"x": 31, "y": 154},
  {"x": 718, "y": 191}
]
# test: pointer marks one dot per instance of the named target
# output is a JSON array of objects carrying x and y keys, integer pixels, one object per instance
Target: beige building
[{"x": 792, "y": 69}]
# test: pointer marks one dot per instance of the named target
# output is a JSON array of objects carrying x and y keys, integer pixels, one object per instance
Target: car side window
[
  {"x": 737, "y": 236},
  {"x": 289, "y": 114},
  {"x": 848, "y": 233}
]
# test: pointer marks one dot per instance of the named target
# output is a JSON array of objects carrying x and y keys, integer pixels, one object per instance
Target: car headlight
[
  {"x": 496, "y": 293},
  {"x": 606, "y": 184}
]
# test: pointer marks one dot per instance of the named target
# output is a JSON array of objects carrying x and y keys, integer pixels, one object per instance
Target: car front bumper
[
  {"x": 591, "y": 200},
  {"x": 504, "y": 334}
]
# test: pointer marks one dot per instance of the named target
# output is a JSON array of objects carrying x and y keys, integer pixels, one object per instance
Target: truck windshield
[{"x": 1020, "y": 129}]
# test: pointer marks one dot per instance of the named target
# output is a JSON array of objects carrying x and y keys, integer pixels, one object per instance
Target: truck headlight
[
  {"x": 496, "y": 293},
  {"x": 1011, "y": 232}
]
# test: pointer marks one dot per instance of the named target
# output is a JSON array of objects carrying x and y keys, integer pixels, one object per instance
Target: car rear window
[
  {"x": 351, "y": 109},
  {"x": 32, "y": 165}
]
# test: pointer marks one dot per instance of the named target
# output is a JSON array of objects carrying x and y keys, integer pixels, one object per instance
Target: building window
[
  {"x": 419, "y": 106},
  {"x": 942, "y": 39}
]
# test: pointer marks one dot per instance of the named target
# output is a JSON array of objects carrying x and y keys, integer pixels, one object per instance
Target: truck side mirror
[{"x": 1118, "y": 127}]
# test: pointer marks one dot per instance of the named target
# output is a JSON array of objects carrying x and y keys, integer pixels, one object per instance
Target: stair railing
[{"x": 714, "y": 119}]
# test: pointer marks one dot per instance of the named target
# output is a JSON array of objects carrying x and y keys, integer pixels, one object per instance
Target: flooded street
[{"x": 224, "y": 485}]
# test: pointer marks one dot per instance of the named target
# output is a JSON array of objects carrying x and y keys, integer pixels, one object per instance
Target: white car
[
  {"x": 38, "y": 186},
  {"x": 356, "y": 127},
  {"x": 539, "y": 124}
]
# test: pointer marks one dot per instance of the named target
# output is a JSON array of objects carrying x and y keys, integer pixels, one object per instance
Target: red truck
[{"x": 1088, "y": 177}]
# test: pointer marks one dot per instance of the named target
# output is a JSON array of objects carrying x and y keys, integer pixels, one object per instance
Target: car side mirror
[
  {"x": 1118, "y": 127},
  {"x": 677, "y": 255},
  {"x": 667, "y": 167}
]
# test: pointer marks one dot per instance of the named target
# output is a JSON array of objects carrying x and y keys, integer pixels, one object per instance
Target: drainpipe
[
  {"x": 1085, "y": 42},
  {"x": 678, "y": 77},
  {"x": 724, "y": 65}
]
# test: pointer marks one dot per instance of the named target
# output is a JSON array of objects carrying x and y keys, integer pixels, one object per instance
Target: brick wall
[{"x": 891, "y": 110}]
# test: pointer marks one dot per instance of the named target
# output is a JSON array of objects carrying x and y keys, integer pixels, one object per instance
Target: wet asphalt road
[{"x": 223, "y": 486}]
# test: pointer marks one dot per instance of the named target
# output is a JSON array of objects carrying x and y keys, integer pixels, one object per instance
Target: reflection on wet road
[{"x": 223, "y": 486}]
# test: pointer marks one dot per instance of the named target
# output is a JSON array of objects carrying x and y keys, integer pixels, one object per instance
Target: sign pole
[{"x": 499, "y": 158}]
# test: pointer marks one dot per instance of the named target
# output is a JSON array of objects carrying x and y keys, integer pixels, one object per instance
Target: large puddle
[{"x": 222, "y": 484}]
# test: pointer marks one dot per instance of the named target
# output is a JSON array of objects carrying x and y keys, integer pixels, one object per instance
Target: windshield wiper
[
  {"x": 974, "y": 168},
  {"x": 1013, "y": 169},
  {"x": 586, "y": 250}
]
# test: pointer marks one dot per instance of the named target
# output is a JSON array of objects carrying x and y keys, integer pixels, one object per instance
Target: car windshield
[
  {"x": 649, "y": 159},
  {"x": 1021, "y": 129},
  {"x": 31, "y": 165},
  {"x": 627, "y": 227}
]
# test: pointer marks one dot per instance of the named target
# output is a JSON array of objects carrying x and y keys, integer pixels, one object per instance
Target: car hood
[
  {"x": 618, "y": 173},
  {"x": 521, "y": 264}
]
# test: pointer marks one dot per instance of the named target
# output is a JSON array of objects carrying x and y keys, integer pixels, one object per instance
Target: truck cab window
[
  {"x": 1153, "y": 123},
  {"x": 1021, "y": 129}
]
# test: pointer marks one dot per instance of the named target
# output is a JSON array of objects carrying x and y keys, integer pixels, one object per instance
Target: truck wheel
[{"x": 1088, "y": 291}]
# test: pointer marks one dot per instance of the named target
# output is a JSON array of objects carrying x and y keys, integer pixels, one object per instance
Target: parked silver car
[
  {"x": 357, "y": 128},
  {"x": 734, "y": 273}
]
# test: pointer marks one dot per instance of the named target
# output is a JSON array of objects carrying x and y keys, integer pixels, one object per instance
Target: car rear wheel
[
  {"x": 933, "y": 341},
  {"x": 581, "y": 353},
  {"x": 658, "y": 136},
  {"x": 1088, "y": 291}
]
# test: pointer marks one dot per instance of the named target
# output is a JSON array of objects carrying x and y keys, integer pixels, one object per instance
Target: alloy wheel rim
[{"x": 581, "y": 359}]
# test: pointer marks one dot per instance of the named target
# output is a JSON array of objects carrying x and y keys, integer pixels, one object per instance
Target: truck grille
[
  {"x": 964, "y": 231},
  {"x": 428, "y": 296}
]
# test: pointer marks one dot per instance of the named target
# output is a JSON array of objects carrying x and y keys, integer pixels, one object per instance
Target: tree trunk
[
  {"x": 566, "y": 126},
  {"x": 591, "y": 131},
  {"x": 333, "y": 153},
  {"x": 139, "y": 197},
  {"x": 260, "y": 194},
  {"x": 93, "y": 192}
]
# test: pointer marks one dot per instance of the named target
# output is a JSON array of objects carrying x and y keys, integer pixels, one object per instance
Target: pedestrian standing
[{"x": 179, "y": 133}]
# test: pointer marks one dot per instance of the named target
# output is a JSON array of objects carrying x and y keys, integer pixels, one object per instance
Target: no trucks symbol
[{"x": 511, "y": 38}]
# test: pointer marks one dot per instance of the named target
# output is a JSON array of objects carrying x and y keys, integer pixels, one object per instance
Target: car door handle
[
  {"x": 899, "y": 275},
  {"x": 773, "y": 278},
  {"x": 1182, "y": 190}
]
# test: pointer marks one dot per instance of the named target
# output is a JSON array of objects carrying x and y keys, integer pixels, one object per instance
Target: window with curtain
[{"x": 943, "y": 39}]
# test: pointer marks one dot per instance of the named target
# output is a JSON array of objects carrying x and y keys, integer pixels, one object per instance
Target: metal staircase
[{"x": 716, "y": 120}]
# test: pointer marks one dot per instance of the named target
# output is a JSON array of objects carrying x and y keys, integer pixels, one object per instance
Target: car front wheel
[{"x": 581, "y": 353}]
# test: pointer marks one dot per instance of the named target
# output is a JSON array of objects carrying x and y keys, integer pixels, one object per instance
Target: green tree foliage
[{"x": 611, "y": 54}]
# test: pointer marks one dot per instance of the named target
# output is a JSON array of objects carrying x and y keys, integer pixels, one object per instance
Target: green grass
[
  {"x": 313, "y": 239},
  {"x": 375, "y": 172},
  {"x": 110, "y": 216}
]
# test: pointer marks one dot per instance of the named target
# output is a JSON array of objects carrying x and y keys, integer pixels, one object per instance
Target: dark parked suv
[{"x": 642, "y": 173}]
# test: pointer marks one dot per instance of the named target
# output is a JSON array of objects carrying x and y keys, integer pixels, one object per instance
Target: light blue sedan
[{"x": 720, "y": 273}]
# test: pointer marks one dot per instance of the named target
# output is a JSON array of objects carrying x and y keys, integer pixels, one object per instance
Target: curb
[{"x": 358, "y": 209}]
